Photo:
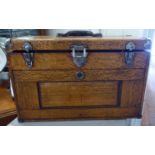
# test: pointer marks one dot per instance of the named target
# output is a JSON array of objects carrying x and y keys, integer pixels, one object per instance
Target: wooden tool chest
[{"x": 78, "y": 77}]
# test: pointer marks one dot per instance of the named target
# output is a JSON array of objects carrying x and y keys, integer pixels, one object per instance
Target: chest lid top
[{"x": 97, "y": 43}]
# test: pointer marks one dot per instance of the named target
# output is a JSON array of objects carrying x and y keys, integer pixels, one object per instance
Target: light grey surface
[
  {"x": 4, "y": 76},
  {"x": 3, "y": 58},
  {"x": 124, "y": 122}
]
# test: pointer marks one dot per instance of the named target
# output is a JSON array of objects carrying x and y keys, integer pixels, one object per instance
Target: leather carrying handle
[{"x": 79, "y": 34}]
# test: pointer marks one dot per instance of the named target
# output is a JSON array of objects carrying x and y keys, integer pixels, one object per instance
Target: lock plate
[{"x": 79, "y": 54}]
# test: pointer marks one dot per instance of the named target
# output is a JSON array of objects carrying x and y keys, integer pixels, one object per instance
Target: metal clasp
[
  {"x": 28, "y": 54},
  {"x": 79, "y": 54},
  {"x": 129, "y": 55}
]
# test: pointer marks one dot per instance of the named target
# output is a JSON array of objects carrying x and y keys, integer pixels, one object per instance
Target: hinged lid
[{"x": 97, "y": 43}]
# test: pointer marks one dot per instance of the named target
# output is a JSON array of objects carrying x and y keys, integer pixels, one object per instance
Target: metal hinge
[
  {"x": 28, "y": 54},
  {"x": 129, "y": 54},
  {"x": 79, "y": 54}
]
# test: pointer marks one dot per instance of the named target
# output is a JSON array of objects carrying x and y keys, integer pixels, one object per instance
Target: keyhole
[{"x": 80, "y": 75}]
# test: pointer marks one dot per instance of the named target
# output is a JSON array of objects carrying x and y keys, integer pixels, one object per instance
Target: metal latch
[
  {"x": 129, "y": 55},
  {"x": 28, "y": 54},
  {"x": 79, "y": 54}
]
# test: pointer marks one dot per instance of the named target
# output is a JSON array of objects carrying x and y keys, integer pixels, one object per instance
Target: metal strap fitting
[
  {"x": 28, "y": 54},
  {"x": 129, "y": 54}
]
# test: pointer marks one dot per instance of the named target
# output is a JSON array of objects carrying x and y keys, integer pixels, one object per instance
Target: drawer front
[
  {"x": 71, "y": 75},
  {"x": 75, "y": 94},
  {"x": 64, "y": 60},
  {"x": 62, "y": 88}
]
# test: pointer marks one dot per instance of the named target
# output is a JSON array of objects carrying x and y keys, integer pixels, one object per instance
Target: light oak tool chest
[{"x": 78, "y": 77}]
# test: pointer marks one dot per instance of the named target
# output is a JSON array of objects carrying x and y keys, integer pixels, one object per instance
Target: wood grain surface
[
  {"x": 61, "y": 43},
  {"x": 70, "y": 75},
  {"x": 95, "y": 60},
  {"x": 89, "y": 113}
]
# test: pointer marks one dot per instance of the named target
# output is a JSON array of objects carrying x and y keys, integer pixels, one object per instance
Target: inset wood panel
[
  {"x": 27, "y": 95},
  {"x": 66, "y": 94},
  {"x": 132, "y": 92},
  {"x": 95, "y": 60}
]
